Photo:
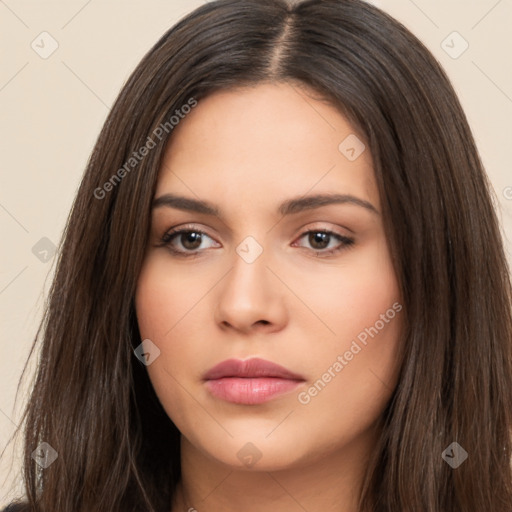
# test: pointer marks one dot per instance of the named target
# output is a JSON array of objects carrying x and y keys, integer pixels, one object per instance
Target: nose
[{"x": 250, "y": 298}]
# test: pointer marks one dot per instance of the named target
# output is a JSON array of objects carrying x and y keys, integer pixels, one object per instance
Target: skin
[{"x": 246, "y": 151}]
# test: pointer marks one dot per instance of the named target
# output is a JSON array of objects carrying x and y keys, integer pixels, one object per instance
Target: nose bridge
[
  {"x": 248, "y": 294},
  {"x": 249, "y": 266},
  {"x": 250, "y": 249}
]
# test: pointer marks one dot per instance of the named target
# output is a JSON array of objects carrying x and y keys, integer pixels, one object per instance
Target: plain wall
[{"x": 52, "y": 110}]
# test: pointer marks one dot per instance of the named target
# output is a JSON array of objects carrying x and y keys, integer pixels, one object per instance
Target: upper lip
[{"x": 254, "y": 367}]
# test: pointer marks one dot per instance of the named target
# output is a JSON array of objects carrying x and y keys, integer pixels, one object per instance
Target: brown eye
[
  {"x": 191, "y": 240},
  {"x": 186, "y": 242},
  {"x": 319, "y": 240}
]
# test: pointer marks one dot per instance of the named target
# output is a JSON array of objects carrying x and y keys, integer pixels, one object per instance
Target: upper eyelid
[
  {"x": 187, "y": 228},
  {"x": 303, "y": 230}
]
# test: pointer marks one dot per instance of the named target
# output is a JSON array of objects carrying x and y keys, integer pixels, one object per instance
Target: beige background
[{"x": 52, "y": 110}]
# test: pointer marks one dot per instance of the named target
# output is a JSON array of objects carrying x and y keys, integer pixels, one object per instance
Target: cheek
[
  {"x": 351, "y": 295},
  {"x": 169, "y": 313},
  {"x": 355, "y": 370},
  {"x": 166, "y": 296},
  {"x": 354, "y": 382}
]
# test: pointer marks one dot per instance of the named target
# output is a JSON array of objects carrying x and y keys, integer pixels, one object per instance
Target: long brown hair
[{"x": 92, "y": 400}]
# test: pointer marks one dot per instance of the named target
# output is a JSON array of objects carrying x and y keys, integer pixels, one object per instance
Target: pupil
[
  {"x": 319, "y": 238},
  {"x": 191, "y": 237}
]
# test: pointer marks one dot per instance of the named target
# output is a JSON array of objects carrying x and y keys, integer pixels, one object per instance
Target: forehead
[{"x": 252, "y": 145}]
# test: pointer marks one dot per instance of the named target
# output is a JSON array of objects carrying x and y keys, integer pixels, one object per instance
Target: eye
[
  {"x": 188, "y": 241},
  {"x": 322, "y": 239},
  {"x": 185, "y": 241}
]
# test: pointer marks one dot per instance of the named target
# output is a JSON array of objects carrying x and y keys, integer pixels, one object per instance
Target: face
[{"x": 267, "y": 242}]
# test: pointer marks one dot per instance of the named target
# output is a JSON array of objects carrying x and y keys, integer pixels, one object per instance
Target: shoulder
[{"x": 14, "y": 507}]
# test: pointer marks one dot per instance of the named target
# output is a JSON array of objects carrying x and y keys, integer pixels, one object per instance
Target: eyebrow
[{"x": 289, "y": 207}]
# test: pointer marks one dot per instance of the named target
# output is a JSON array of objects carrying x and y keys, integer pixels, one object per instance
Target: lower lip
[{"x": 250, "y": 391}]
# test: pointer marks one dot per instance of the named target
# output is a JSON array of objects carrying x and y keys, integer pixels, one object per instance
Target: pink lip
[{"x": 252, "y": 381}]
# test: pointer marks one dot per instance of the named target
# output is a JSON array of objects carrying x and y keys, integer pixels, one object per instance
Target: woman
[{"x": 282, "y": 283}]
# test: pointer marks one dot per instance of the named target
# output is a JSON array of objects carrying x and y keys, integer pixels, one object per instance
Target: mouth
[{"x": 250, "y": 382}]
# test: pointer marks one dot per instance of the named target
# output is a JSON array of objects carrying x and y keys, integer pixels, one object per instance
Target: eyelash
[{"x": 168, "y": 237}]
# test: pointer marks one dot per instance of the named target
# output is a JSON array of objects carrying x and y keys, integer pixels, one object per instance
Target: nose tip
[{"x": 249, "y": 299}]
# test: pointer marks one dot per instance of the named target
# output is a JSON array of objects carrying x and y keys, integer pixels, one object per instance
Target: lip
[{"x": 251, "y": 381}]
